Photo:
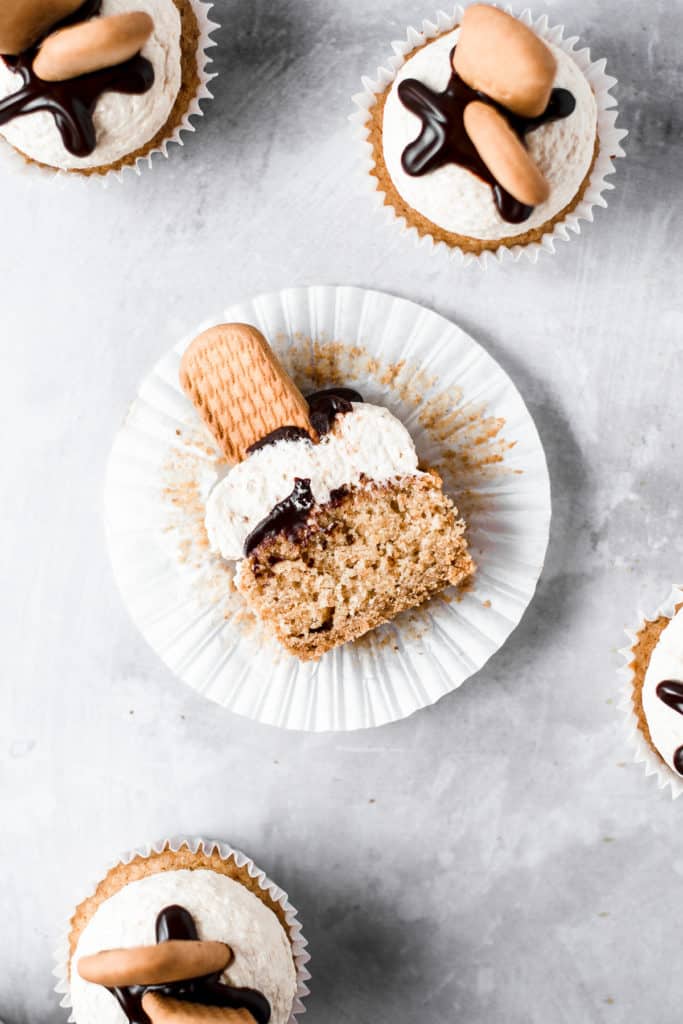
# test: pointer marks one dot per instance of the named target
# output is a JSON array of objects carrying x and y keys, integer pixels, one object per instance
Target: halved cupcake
[{"x": 333, "y": 525}]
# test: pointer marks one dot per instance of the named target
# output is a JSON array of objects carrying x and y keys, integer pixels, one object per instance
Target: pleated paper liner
[
  {"x": 14, "y": 162},
  {"x": 227, "y": 853},
  {"x": 609, "y": 136},
  {"x": 643, "y": 753},
  {"x": 468, "y": 421}
]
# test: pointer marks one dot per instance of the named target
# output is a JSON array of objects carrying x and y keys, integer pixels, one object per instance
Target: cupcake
[
  {"x": 184, "y": 932},
  {"x": 92, "y": 87},
  {"x": 487, "y": 134},
  {"x": 655, "y": 692},
  {"x": 333, "y": 526}
]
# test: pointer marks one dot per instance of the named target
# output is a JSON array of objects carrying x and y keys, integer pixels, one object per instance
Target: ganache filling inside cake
[
  {"x": 444, "y": 140},
  {"x": 290, "y": 516},
  {"x": 670, "y": 692},
  {"x": 177, "y": 923},
  {"x": 72, "y": 102}
]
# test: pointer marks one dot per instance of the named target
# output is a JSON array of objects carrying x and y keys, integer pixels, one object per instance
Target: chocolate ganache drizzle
[
  {"x": 443, "y": 139},
  {"x": 670, "y": 691},
  {"x": 324, "y": 406},
  {"x": 177, "y": 923},
  {"x": 72, "y": 102},
  {"x": 290, "y": 515}
]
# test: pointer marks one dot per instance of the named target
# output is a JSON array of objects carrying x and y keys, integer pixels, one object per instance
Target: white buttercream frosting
[
  {"x": 123, "y": 124},
  {"x": 368, "y": 442},
  {"x": 666, "y": 663},
  {"x": 457, "y": 200},
  {"x": 223, "y": 910}
]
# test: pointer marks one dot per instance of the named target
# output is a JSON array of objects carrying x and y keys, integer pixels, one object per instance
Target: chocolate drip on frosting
[
  {"x": 281, "y": 434},
  {"x": 670, "y": 691},
  {"x": 443, "y": 139},
  {"x": 72, "y": 102},
  {"x": 291, "y": 515},
  {"x": 324, "y": 407},
  {"x": 177, "y": 923}
]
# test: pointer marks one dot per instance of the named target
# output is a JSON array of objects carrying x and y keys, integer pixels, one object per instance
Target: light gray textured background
[{"x": 494, "y": 859}]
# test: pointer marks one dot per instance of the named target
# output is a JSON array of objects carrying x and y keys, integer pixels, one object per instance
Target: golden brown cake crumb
[{"x": 363, "y": 558}]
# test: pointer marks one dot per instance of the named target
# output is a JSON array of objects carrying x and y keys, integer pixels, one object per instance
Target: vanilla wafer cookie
[
  {"x": 23, "y": 22},
  {"x": 176, "y": 960},
  {"x": 92, "y": 45},
  {"x": 162, "y": 1010},
  {"x": 499, "y": 55},
  {"x": 240, "y": 389}
]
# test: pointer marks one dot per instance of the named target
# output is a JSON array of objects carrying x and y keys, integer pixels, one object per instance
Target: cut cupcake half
[{"x": 333, "y": 525}]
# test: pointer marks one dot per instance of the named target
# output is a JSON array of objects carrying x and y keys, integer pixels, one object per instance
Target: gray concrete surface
[{"x": 496, "y": 858}]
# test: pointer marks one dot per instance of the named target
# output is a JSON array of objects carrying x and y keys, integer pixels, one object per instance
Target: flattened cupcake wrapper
[
  {"x": 14, "y": 162},
  {"x": 467, "y": 420},
  {"x": 609, "y": 135},
  {"x": 226, "y": 852},
  {"x": 643, "y": 753}
]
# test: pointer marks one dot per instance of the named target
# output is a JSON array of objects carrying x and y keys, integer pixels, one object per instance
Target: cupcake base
[
  {"x": 426, "y": 227},
  {"x": 636, "y": 656},
  {"x": 368, "y": 125},
  {"x": 189, "y": 88},
  {"x": 186, "y": 853}
]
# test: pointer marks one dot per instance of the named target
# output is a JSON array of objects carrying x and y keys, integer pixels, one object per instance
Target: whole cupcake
[
  {"x": 487, "y": 134},
  {"x": 187, "y": 933},
  {"x": 654, "y": 697},
  {"x": 93, "y": 87}
]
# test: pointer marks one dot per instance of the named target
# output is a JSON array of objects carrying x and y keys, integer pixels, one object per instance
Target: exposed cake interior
[{"x": 372, "y": 552}]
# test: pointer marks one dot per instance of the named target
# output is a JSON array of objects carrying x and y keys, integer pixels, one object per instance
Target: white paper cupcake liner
[
  {"x": 226, "y": 852},
  {"x": 13, "y": 162},
  {"x": 398, "y": 354},
  {"x": 609, "y": 135},
  {"x": 642, "y": 751}
]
